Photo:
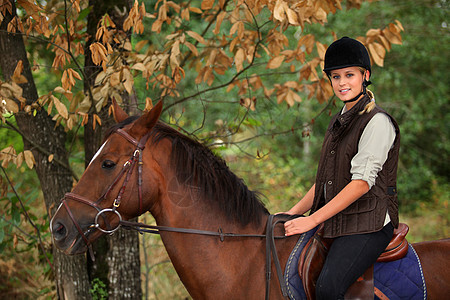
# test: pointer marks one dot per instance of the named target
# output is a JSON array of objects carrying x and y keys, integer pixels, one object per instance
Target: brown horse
[{"x": 184, "y": 185}]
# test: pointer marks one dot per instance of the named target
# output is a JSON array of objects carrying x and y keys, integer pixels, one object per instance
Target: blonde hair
[{"x": 371, "y": 105}]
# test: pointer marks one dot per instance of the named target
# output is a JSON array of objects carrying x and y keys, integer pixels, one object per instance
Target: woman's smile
[{"x": 347, "y": 82}]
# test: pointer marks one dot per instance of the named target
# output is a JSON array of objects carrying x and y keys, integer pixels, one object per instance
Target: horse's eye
[{"x": 108, "y": 164}]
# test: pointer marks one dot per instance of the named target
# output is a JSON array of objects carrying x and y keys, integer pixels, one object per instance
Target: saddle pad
[
  {"x": 293, "y": 282},
  {"x": 401, "y": 279}
]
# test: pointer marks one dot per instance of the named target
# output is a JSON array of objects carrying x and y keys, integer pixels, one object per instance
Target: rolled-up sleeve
[{"x": 373, "y": 148}]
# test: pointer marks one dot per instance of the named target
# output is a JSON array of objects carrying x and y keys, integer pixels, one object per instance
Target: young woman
[{"x": 354, "y": 194}]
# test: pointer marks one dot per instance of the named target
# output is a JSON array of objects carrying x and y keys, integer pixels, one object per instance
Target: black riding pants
[{"x": 349, "y": 257}]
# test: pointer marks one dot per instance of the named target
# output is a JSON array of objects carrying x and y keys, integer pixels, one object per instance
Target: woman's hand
[{"x": 299, "y": 225}]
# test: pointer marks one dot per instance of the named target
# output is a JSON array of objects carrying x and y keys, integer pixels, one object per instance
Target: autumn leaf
[
  {"x": 148, "y": 104},
  {"x": 9, "y": 106},
  {"x": 185, "y": 14},
  {"x": 393, "y": 35},
  {"x": 139, "y": 66},
  {"x": 279, "y": 10},
  {"x": 59, "y": 90},
  {"x": 195, "y": 10},
  {"x": 196, "y": 36},
  {"x": 115, "y": 78},
  {"x": 29, "y": 159},
  {"x": 239, "y": 59},
  {"x": 292, "y": 17},
  {"x": 19, "y": 160},
  {"x": 239, "y": 28},
  {"x": 128, "y": 80},
  {"x": 219, "y": 21},
  {"x": 192, "y": 48},
  {"x": 17, "y": 75},
  {"x": 385, "y": 42},
  {"x": 96, "y": 120},
  {"x": 60, "y": 107},
  {"x": 74, "y": 74},
  {"x": 207, "y": 4},
  {"x": 306, "y": 41},
  {"x": 248, "y": 103},
  {"x": 141, "y": 44},
  {"x": 98, "y": 53},
  {"x": 6, "y": 155},
  {"x": 65, "y": 80},
  {"x": 275, "y": 62},
  {"x": 29, "y": 7},
  {"x": 321, "y": 50},
  {"x": 292, "y": 97},
  {"x": 377, "y": 52}
]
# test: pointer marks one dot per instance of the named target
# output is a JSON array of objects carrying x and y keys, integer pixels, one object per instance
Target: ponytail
[{"x": 371, "y": 105}]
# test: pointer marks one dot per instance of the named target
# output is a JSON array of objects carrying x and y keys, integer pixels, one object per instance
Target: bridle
[{"x": 127, "y": 169}]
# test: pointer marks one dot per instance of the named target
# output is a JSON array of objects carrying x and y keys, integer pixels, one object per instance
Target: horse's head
[{"x": 110, "y": 188}]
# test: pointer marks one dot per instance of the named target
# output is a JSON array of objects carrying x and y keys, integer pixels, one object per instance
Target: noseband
[{"x": 127, "y": 169}]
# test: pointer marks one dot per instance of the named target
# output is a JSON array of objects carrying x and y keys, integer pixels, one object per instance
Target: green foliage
[
  {"x": 98, "y": 290},
  {"x": 434, "y": 213}
]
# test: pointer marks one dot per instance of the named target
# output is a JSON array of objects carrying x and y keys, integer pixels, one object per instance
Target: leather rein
[{"x": 127, "y": 170}]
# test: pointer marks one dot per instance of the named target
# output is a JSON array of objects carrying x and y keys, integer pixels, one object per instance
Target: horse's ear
[
  {"x": 119, "y": 114},
  {"x": 148, "y": 120}
]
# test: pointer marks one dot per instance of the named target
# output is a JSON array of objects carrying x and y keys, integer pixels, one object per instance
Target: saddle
[{"x": 313, "y": 257}]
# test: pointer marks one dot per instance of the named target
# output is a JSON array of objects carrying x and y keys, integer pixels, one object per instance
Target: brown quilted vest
[{"x": 367, "y": 214}]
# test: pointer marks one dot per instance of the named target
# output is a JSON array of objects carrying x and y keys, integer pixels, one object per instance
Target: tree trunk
[
  {"x": 42, "y": 138},
  {"x": 117, "y": 261}
]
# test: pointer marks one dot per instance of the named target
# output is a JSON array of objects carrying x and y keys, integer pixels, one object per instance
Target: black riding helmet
[{"x": 347, "y": 52}]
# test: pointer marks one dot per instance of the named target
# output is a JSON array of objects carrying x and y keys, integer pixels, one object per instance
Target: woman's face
[{"x": 347, "y": 82}]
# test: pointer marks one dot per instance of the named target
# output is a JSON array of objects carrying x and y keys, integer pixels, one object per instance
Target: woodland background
[{"x": 243, "y": 77}]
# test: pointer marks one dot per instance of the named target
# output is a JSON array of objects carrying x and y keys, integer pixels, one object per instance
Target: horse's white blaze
[{"x": 98, "y": 152}]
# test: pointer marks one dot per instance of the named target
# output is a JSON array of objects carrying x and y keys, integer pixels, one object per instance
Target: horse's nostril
[{"x": 59, "y": 231}]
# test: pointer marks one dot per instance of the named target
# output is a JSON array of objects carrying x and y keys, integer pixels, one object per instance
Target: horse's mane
[{"x": 196, "y": 165}]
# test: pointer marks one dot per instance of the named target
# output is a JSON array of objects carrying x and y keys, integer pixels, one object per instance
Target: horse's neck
[
  {"x": 197, "y": 258},
  {"x": 205, "y": 262},
  {"x": 183, "y": 207}
]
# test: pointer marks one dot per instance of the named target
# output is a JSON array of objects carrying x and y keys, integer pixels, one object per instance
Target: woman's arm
[
  {"x": 304, "y": 204},
  {"x": 349, "y": 194}
]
